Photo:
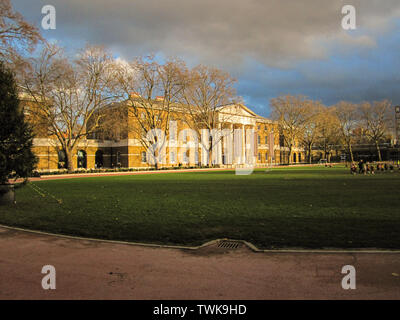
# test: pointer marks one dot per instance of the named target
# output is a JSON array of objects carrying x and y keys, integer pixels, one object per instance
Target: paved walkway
[{"x": 99, "y": 270}]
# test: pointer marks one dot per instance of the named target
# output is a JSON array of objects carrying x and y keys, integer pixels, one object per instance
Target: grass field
[{"x": 285, "y": 207}]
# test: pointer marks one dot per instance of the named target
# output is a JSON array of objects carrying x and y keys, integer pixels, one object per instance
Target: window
[
  {"x": 281, "y": 140},
  {"x": 98, "y": 162},
  {"x": 184, "y": 136},
  {"x": 119, "y": 159},
  {"x": 172, "y": 157},
  {"x": 266, "y": 157},
  {"x": 81, "y": 159},
  {"x": 172, "y": 130},
  {"x": 258, "y": 139},
  {"x": 259, "y": 157},
  {"x": 143, "y": 157},
  {"x": 186, "y": 156},
  {"x": 62, "y": 160},
  {"x": 266, "y": 139}
]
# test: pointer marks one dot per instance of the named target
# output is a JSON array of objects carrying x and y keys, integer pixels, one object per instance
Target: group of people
[{"x": 367, "y": 168}]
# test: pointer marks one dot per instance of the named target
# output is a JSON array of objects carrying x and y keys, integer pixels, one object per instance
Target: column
[
  {"x": 243, "y": 158},
  {"x": 219, "y": 145},
  {"x": 238, "y": 146},
  {"x": 229, "y": 151}
]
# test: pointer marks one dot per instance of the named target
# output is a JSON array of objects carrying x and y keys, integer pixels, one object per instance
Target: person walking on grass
[
  {"x": 353, "y": 169},
  {"x": 372, "y": 169},
  {"x": 360, "y": 166}
]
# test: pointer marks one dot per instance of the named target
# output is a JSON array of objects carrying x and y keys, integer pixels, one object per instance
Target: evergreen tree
[{"x": 16, "y": 135}]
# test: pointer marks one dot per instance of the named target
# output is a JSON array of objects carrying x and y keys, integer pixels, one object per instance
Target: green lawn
[{"x": 286, "y": 207}]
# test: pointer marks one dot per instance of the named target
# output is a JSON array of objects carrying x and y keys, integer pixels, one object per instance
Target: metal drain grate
[{"x": 229, "y": 244}]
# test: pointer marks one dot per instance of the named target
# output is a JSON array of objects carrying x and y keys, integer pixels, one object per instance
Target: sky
[{"x": 272, "y": 47}]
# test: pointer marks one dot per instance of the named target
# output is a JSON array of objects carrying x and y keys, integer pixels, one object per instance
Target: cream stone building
[{"x": 243, "y": 137}]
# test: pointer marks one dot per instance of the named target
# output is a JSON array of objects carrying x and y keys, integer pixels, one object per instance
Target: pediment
[{"x": 238, "y": 110}]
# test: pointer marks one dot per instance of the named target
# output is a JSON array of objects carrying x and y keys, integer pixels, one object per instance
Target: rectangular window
[
  {"x": 185, "y": 157},
  {"x": 144, "y": 158},
  {"x": 259, "y": 157},
  {"x": 172, "y": 130},
  {"x": 172, "y": 157},
  {"x": 184, "y": 136},
  {"x": 266, "y": 139},
  {"x": 258, "y": 139}
]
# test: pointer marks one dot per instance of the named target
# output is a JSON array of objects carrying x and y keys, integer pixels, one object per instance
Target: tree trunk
[
  {"x": 351, "y": 153},
  {"x": 154, "y": 155},
  {"x": 309, "y": 154},
  {"x": 210, "y": 157},
  {"x": 70, "y": 160},
  {"x": 378, "y": 150}
]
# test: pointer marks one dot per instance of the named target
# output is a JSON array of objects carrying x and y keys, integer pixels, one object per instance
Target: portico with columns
[{"x": 235, "y": 141}]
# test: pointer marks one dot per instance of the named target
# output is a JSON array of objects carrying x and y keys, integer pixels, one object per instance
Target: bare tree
[
  {"x": 206, "y": 92},
  {"x": 347, "y": 116},
  {"x": 151, "y": 92},
  {"x": 375, "y": 119},
  {"x": 329, "y": 136},
  {"x": 15, "y": 33},
  {"x": 67, "y": 94},
  {"x": 312, "y": 127},
  {"x": 292, "y": 113}
]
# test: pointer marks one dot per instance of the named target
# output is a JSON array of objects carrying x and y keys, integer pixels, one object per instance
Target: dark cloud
[
  {"x": 226, "y": 33},
  {"x": 274, "y": 32}
]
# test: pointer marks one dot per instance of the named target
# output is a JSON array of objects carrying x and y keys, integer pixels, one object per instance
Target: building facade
[{"x": 242, "y": 138}]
